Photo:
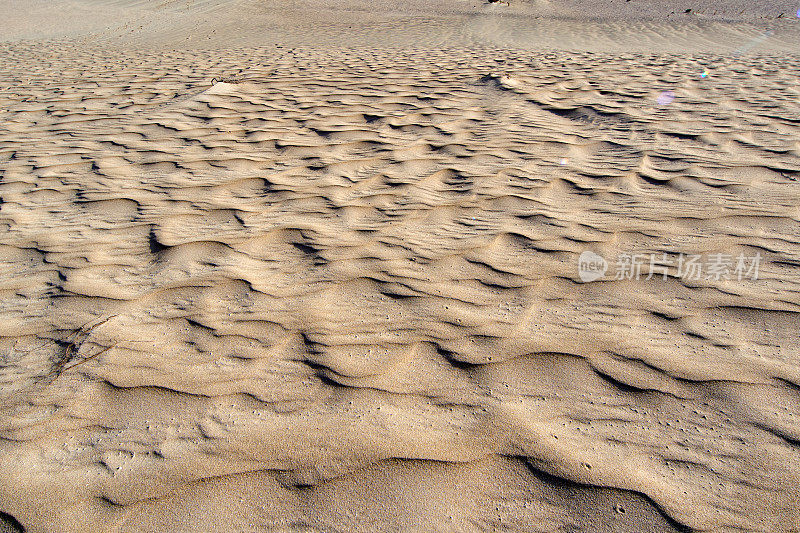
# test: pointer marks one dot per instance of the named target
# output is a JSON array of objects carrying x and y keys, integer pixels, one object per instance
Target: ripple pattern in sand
[{"x": 330, "y": 269}]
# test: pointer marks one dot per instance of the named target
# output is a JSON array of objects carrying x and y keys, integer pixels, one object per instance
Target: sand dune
[{"x": 318, "y": 288}]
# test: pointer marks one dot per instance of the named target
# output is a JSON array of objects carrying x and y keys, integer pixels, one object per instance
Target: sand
[{"x": 317, "y": 266}]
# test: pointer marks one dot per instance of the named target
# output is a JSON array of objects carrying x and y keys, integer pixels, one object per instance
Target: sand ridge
[
  {"x": 315, "y": 267},
  {"x": 337, "y": 269}
]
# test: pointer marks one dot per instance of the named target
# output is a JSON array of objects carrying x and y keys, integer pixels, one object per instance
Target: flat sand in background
[{"x": 314, "y": 266}]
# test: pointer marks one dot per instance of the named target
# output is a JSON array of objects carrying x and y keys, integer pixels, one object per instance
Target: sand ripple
[{"x": 332, "y": 270}]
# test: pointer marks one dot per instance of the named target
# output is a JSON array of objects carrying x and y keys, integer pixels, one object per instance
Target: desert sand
[{"x": 316, "y": 266}]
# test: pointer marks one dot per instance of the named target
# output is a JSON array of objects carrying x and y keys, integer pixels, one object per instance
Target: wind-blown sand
[{"x": 314, "y": 267}]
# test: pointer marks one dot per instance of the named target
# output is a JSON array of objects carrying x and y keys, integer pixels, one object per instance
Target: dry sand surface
[{"x": 315, "y": 266}]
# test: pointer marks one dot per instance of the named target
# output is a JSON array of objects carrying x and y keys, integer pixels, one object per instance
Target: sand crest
[{"x": 313, "y": 287}]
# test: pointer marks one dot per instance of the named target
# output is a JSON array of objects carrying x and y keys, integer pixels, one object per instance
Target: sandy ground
[{"x": 317, "y": 266}]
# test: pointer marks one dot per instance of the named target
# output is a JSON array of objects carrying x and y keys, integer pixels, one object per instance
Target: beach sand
[{"x": 330, "y": 266}]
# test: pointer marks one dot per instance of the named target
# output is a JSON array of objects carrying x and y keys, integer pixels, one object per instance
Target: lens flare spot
[{"x": 665, "y": 98}]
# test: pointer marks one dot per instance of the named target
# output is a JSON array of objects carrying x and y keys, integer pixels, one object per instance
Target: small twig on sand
[
  {"x": 89, "y": 358},
  {"x": 232, "y": 80},
  {"x": 73, "y": 345}
]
